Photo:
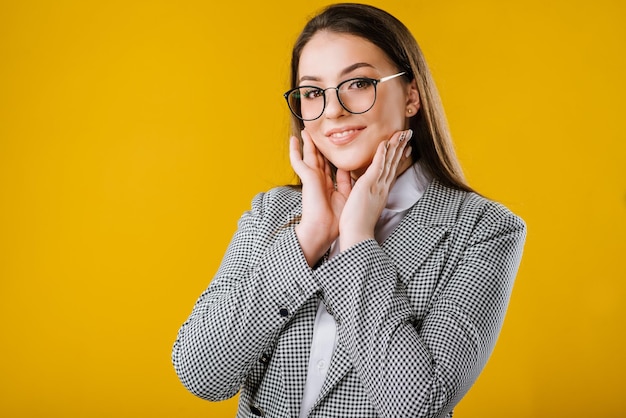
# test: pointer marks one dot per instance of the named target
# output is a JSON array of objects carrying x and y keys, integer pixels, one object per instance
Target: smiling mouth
[{"x": 343, "y": 133}]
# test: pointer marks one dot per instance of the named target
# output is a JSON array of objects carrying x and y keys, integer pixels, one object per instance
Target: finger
[
  {"x": 403, "y": 140},
  {"x": 406, "y": 136},
  {"x": 295, "y": 154},
  {"x": 295, "y": 157},
  {"x": 397, "y": 153},
  {"x": 344, "y": 182},
  {"x": 328, "y": 173},
  {"x": 380, "y": 159},
  {"x": 310, "y": 154},
  {"x": 390, "y": 158},
  {"x": 396, "y": 143},
  {"x": 405, "y": 152},
  {"x": 321, "y": 160}
]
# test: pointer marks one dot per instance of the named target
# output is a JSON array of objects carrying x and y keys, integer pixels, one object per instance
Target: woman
[{"x": 380, "y": 286}]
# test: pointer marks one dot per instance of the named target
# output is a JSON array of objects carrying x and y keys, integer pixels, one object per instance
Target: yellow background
[{"x": 133, "y": 134}]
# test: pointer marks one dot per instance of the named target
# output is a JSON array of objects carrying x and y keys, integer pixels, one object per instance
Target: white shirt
[{"x": 407, "y": 190}]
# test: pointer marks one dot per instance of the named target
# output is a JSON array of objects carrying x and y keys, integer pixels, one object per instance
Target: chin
[
  {"x": 350, "y": 160},
  {"x": 352, "y": 166}
]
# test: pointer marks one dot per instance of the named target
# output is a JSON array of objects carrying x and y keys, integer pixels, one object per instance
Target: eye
[
  {"x": 360, "y": 84},
  {"x": 311, "y": 93}
]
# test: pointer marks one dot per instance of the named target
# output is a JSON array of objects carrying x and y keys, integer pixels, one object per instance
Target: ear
[{"x": 413, "y": 99}]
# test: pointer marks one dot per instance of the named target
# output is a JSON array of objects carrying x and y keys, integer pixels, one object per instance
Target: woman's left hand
[{"x": 369, "y": 194}]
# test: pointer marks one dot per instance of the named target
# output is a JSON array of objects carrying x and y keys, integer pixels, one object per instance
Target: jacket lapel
[
  {"x": 423, "y": 228},
  {"x": 340, "y": 364}
]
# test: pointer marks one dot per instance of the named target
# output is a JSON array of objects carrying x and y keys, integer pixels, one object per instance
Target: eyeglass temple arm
[{"x": 389, "y": 77}]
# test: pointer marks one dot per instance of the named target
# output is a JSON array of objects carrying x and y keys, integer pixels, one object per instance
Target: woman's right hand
[{"x": 322, "y": 204}]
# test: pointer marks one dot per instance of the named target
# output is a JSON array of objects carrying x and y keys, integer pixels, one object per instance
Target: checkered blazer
[{"x": 418, "y": 316}]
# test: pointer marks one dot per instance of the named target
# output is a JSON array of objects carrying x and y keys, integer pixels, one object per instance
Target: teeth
[{"x": 342, "y": 134}]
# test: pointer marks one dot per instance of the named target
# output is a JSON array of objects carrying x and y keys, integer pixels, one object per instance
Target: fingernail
[
  {"x": 407, "y": 152},
  {"x": 409, "y": 134}
]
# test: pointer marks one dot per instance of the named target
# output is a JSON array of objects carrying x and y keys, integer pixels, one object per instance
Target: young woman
[{"x": 378, "y": 288}]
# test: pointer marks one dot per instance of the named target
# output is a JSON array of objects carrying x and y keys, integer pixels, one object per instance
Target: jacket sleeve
[
  {"x": 261, "y": 282},
  {"x": 412, "y": 369}
]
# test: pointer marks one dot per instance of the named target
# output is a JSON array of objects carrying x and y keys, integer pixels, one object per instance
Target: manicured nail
[{"x": 407, "y": 152}]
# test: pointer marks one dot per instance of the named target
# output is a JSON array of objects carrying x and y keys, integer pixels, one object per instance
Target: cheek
[
  {"x": 314, "y": 129},
  {"x": 391, "y": 114},
  {"x": 390, "y": 121}
]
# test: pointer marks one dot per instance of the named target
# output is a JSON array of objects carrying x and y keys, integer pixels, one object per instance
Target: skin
[{"x": 369, "y": 149}]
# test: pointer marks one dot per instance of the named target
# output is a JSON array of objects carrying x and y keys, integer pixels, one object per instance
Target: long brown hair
[{"x": 431, "y": 141}]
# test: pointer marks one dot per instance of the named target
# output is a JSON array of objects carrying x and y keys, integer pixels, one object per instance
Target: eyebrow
[{"x": 345, "y": 71}]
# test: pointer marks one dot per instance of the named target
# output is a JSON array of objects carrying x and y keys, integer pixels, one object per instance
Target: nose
[{"x": 333, "y": 108}]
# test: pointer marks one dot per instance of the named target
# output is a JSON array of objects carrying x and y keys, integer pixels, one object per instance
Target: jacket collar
[{"x": 423, "y": 228}]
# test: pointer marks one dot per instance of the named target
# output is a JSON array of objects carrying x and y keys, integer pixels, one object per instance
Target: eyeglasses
[{"x": 356, "y": 95}]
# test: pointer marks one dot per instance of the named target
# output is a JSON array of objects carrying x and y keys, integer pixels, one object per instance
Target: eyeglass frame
[{"x": 374, "y": 82}]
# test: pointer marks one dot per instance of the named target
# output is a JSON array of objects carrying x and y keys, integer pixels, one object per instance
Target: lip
[{"x": 343, "y": 135}]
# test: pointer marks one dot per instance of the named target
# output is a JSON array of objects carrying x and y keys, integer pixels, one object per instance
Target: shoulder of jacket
[
  {"x": 489, "y": 211},
  {"x": 280, "y": 205},
  {"x": 279, "y": 197},
  {"x": 453, "y": 206}
]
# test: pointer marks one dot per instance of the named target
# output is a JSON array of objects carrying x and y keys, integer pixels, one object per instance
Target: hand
[
  {"x": 322, "y": 204},
  {"x": 368, "y": 196}
]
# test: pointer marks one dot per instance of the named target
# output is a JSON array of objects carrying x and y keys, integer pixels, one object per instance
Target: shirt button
[
  {"x": 321, "y": 365},
  {"x": 284, "y": 312},
  {"x": 258, "y": 412},
  {"x": 265, "y": 358}
]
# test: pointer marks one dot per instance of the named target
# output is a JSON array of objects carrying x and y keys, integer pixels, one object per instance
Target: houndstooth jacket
[{"x": 417, "y": 317}]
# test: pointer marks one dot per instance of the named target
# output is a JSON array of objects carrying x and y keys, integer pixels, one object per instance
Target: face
[{"x": 347, "y": 140}]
